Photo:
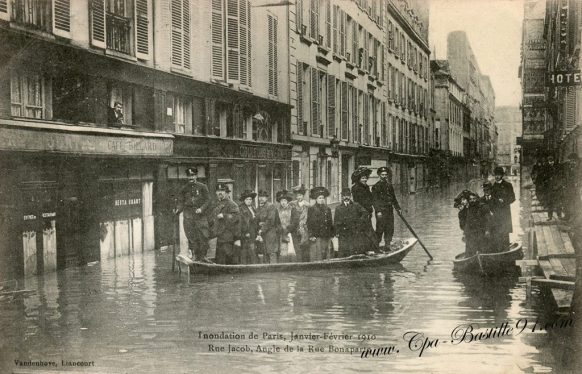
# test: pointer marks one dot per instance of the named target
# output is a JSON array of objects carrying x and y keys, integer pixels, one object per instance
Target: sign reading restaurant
[{"x": 564, "y": 78}]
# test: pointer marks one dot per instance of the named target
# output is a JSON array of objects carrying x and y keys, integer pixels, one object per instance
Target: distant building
[{"x": 509, "y": 127}]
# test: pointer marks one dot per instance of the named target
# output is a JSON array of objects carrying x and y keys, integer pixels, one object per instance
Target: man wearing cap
[
  {"x": 320, "y": 225},
  {"x": 194, "y": 203},
  {"x": 269, "y": 223},
  {"x": 502, "y": 192},
  {"x": 300, "y": 235},
  {"x": 384, "y": 202},
  {"x": 248, "y": 227},
  {"x": 351, "y": 222},
  {"x": 225, "y": 223}
]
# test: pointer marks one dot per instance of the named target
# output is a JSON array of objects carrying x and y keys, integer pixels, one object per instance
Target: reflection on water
[{"x": 132, "y": 315}]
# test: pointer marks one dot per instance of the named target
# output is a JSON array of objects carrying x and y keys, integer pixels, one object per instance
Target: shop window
[
  {"x": 198, "y": 116},
  {"x": 235, "y": 121},
  {"x": 28, "y": 95},
  {"x": 182, "y": 114},
  {"x": 262, "y": 127}
]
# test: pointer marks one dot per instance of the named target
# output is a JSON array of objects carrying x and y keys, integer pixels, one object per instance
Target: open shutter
[
  {"x": 62, "y": 18},
  {"x": 331, "y": 98},
  {"x": 177, "y": 50},
  {"x": 314, "y": 20},
  {"x": 98, "y": 23},
  {"x": 335, "y": 21},
  {"x": 249, "y": 40},
  {"x": 275, "y": 59},
  {"x": 243, "y": 27},
  {"x": 299, "y": 106},
  {"x": 314, "y": 101},
  {"x": 328, "y": 28},
  {"x": 344, "y": 104},
  {"x": 299, "y": 15},
  {"x": 217, "y": 54},
  {"x": 5, "y": 9},
  {"x": 143, "y": 34},
  {"x": 232, "y": 40},
  {"x": 187, "y": 37},
  {"x": 342, "y": 33},
  {"x": 270, "y": 52}
]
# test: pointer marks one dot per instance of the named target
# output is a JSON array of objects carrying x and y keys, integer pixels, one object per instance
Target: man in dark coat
[
  {"x": 492, "y": 222},
  {"x": 384, "y": 203},
  {"x": 572, "y": 178},
  {"x": 502, "y": 191},
  {"x": 194, "y": 203},
  {"x": 225, "y": 226},
  {"x": 351, "y": 227},
  {"x": 319, "y": 225},
  {"x": 248, "y": 227},
  {"x": 474, "y": 227},
  {"x": 269, "y": 223}
]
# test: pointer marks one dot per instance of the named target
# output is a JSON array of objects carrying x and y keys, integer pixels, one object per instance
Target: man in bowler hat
[
  {"x": 194, "y": 204},
  {"x": 502, "y": 192},
  {"x": 351, "y": 223},
  {"x": 225, "y": 222},
  {"x": 384, "y": 202}
]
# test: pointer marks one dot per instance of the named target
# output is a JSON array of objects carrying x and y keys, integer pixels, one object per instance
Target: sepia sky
[{"x": 494, "y": 31}]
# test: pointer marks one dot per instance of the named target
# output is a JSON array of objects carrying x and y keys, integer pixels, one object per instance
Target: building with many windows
[
  {"x": 105, "y": 103},
  {"x": 358, "y": 88},
  {"x": 508, "y": 152}
]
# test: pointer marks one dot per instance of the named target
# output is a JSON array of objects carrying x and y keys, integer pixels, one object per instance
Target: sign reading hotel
[{"x": 564, "y": 78}]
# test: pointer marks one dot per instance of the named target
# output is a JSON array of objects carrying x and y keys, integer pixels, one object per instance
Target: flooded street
[{"x": 134, "y": 315}]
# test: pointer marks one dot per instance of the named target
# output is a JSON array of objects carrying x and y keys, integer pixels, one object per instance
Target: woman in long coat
[
  {"x": 300, "y": 235},
  {"x": 289, "y": 220},
  {"x": 320, "y": 225},
  {"x": 248, "y": 227},
  {"x": 269, "y": 223}
]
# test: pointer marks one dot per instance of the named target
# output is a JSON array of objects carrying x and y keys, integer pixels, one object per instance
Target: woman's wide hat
[
  {"x": 318, "y": 191},
  {"x": 359, "y": 172}
]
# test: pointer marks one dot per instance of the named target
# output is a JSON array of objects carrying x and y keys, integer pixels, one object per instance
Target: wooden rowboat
[
  {"x": 380, "y": 259},
  {"x": 489, "y": 263}
]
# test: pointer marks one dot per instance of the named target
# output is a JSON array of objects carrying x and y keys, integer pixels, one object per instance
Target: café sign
[{"x": 564, "y": 78}]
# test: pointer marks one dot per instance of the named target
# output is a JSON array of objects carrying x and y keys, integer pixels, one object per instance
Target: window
[
  {"x": 27, "y": 95},
  {"x": 331, "y": 104},
  {"x": 315, "y": 102},
  {"x": 314, "y": 20},
  {"x": 47, "y": 15},
  {"x": 345, "y": 111},
  {"x": 273, "y": 56},
  {"x": 182, "y": 115},
  {"x": 342, "y": 32},
  {"x": 231, "y": 41},
  {"x": 198, "y": 116},
  {"x": 120, "y": 104},
  {"x": 390, "y": 36}
]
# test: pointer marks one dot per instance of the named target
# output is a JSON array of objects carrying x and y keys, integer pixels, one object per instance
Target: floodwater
[{"x": 132, "y": 315}]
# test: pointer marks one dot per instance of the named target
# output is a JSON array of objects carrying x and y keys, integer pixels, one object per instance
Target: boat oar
[{"x": 413, "y": 233}]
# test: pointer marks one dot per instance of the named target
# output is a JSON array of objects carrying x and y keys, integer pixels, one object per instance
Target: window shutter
[
  {"x": 314, "y": 20},
  {"x": 180, "y": 10},
  {"x": 328, "y": 23},
  {"x": 232, "y": 40},
  {"x": 275, "y": 59},
  {"x": 143, "y": 34},
  {"x": 344, "y": 104},
  {"x": 243, "y": 28},
  {"x": 5, "y": 9},
  {"x": 314, "y": 101},
  {"x": 217, "y": 54},
  {"x": 299, "y": 15},
  {"x": 331, "y": 98},
  {"x": 342, "y": 33},
  {"x": 271, "y": 53},
  {"x": 299, "y": 106},
  {"x": 98, "y": 23},
  {"x": 61, "y": 18},
  {"x": 249, "y": 40},
  {"x": 335, "y": 29}
]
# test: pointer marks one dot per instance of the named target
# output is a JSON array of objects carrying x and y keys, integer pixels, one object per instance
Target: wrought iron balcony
[
  {"x": 118, "y": 33},
  {"x": 34, "y": 13}
]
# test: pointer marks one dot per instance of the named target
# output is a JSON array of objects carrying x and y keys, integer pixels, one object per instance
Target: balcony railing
[
  {"x": 118, "y": 33},
  {"x": 34, "y": 13}
]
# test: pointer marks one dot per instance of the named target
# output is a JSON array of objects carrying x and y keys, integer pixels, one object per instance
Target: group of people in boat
[
  {"x": 293, "y": 228},
  {"x": 557, "y": 185},
  {"x": 486, "y": 220}
]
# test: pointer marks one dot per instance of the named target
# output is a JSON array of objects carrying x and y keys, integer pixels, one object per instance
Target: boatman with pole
[
  {"x": 194, "y": 203},
  {"x": 384, "y": 204}
]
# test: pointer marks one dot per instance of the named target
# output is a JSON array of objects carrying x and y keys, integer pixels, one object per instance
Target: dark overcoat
[
  {"x": 226, "y": 229},
  {"x": 363, "y": 196},
  {"x": 351, "y": 224},
  {"x": 320, "y": 221},
  {"x": 248, "y": 223},
  {"x": 503, "y": 193},
  {"x": 269, "y": 225},
  {"x": 384, "y": 197},
  {"x": 195, "y": 196}
]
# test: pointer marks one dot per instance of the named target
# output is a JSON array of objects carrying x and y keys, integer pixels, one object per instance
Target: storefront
[
  {"x": 71, "y": 195},
  {"x": 242, "y": 165}
]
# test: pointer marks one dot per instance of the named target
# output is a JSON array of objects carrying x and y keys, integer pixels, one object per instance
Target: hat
[
  {"x": 284, "y": 194},
  {"x": 346, "y": 192},
  {"x": 462, "y": 195},
  {"x": 318, "y": 191},
  {"x": 360, "y": 172},
  {"x": 191, "y": 171},
  {"x": 299, "y": 189},
  {"x": 486, "y": 186},
  {"x": 499, "y": 171},
  {"x": 222, "y": 187},
  {"x": 383, "y": 169},
  {"x": 247, "y": 193},
  {"x": 263, "y": 193}
]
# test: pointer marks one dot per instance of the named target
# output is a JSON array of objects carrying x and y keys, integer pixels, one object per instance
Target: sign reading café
[{"x": 564, "y": 78}]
